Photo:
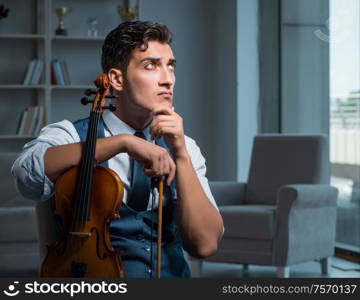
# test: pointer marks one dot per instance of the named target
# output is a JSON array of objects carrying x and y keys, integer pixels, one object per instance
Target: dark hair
[{"x": 120, "y": 42}]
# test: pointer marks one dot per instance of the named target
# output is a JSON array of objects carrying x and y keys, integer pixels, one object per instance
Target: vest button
[{"x": 147, "y": 249}]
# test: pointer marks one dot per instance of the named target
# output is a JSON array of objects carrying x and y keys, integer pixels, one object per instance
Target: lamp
[{"x": 128, "y": 13}]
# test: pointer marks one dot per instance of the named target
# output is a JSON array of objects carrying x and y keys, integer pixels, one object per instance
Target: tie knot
[{"x": 140, "y": 134}]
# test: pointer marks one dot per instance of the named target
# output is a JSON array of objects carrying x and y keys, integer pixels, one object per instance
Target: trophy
[
  {"x": 128, "y": 13},
  {"x": 61, "y": 13}
]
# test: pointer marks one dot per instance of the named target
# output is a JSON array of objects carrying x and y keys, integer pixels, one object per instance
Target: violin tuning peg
[
  {"x": 85, "y": 100},
  {"x": 89, "y": 92},
  {"x": 111, "y": 107}
]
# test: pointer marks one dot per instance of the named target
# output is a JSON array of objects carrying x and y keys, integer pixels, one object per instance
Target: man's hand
[
  {"x": 169, "y": 125},
  {"x": 155, "y": 160}
]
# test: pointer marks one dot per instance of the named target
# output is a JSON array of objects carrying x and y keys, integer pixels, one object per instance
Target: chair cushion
[{"x": 249, "y": 221}]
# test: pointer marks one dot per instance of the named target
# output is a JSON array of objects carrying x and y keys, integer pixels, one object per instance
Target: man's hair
[{"x": 120, "y": 42}]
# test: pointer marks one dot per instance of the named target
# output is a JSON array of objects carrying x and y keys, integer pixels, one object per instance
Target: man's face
[{"x": 150, "y": 77}]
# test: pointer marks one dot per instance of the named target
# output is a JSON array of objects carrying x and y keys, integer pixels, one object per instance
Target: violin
[{"x": 87, "y": 198}]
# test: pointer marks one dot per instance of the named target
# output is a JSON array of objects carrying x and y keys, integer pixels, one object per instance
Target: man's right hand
[{"x": 155, "y": 160}]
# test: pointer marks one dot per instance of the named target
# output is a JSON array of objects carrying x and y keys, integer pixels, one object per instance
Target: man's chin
[{"x": 163, "y": 104}]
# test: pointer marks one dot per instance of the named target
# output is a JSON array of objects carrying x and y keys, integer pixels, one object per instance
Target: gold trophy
[
  {"x": 128, "y": 13},
  {"x": 61, "y": 13}
]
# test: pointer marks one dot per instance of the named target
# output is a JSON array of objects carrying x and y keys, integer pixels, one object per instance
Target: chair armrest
[
  {"x": 294, "y": 202},
  {"x": 302, "y": 196},
  {"x": 228, "y": 192}
]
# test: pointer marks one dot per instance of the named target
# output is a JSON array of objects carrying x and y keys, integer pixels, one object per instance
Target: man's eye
[
  {"x": 149, "y": 66},
  {"x": 172, "y": 67}
]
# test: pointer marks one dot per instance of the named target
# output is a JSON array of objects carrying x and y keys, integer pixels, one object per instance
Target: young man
[{"x": 140, "y": 65}]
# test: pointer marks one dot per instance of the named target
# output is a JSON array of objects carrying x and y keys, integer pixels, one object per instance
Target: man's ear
[{"x": 116, "y": 79}]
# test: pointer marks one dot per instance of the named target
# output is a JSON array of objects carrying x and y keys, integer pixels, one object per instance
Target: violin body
[
  {"x": 84, "y": 248},
  {"x": 87, "y": 198}
]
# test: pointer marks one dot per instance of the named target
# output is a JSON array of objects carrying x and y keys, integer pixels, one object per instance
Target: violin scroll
[{"x": 101, "y": 95}]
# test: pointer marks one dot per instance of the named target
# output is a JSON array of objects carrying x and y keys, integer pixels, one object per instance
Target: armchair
[{"x": 286, "y": 213}]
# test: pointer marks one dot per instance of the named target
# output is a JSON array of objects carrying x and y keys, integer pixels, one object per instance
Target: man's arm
[
  {"x": 58, "y": 145},
  {"x": 58, "y": 159},
  {"x": 156, "y": 161},
  {"x": 200, "y": 223}
]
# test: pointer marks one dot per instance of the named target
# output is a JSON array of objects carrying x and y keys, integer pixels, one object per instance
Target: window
[{"x": 344, "y": 41}]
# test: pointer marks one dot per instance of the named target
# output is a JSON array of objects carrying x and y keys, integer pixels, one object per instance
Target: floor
[{"x": 339, "y": 268}]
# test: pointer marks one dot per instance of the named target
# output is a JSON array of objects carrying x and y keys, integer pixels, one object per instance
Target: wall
[
  {"x": 248, "y": 82},
  {"x": 305, "y": 67},
  {"x": 205, "y": 93}
]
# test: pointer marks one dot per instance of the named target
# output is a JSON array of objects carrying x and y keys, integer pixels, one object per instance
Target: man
[{"x": 140, "y": 65}]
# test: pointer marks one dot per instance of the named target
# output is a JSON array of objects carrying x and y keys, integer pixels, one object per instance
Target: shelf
[
  {"x": 41, "y": 86},
  {"x": 22, "y": 36},
  {"x": 72, "y": 87},
  {"x": 15, "y": 136},
  {"x": 77, "y": 38},
  {"x": 21, "y": 86},
  {"x": 31, "y": 35}
]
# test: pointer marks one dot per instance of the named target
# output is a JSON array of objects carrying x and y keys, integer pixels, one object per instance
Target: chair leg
[
  {"x": 196, "y": 267},
  {"x": 246, "y": 267},
  {"x": 282, "y": 272},
  {"x": 325, "y": 265}
]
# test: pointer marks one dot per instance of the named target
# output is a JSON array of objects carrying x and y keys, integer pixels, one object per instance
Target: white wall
[
  {"x": 305, "y": 67},
  {"x": 205, "y": 93},
  {"x": 248, "y": 82}
]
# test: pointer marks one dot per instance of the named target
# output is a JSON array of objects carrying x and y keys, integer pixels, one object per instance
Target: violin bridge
[{"x": 80, "y": 234}]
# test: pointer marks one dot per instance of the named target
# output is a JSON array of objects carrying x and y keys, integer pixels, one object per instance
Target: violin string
[
  {"x": 87, "y": 182},
  {"x": 89, "y": 167},
  {"x": 84, "y": 175},
  {"x": 79, "y": 192},
  {"x": 92, "y": 163}
]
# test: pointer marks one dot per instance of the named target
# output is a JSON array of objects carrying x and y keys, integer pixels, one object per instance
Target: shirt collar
[{"x": 117, "y": 126}]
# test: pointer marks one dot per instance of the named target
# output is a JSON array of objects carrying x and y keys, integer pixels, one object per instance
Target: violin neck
[{"x": 85, "y": 176}]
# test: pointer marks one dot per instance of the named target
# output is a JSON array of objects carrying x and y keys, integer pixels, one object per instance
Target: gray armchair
[{"x": 286, "y": 213}]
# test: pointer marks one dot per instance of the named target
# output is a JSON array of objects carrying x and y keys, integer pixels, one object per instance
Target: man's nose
[{"x": 167, "y": 77}]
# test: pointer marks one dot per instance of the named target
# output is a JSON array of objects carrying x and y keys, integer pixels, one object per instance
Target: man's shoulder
[
  {"x": 62, "y": 130},
  {"x": 59, "y": 124}
]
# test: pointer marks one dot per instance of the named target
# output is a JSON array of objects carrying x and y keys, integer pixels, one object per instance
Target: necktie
[{"x": 140, "y": 184}]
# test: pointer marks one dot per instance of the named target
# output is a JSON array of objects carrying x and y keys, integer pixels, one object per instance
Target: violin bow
[{"x": 160, "y": 211}]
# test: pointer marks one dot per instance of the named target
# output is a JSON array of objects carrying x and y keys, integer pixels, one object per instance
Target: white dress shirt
[{"x": 29, "y": 172}]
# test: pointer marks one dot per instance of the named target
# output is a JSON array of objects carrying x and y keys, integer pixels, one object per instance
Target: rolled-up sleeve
[
  {"x": 199, "y": 164},
  {"x": 28, "y": 169}
]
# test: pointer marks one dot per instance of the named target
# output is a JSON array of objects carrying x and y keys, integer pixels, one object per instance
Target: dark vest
[{"x": 131, "y": 233}]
